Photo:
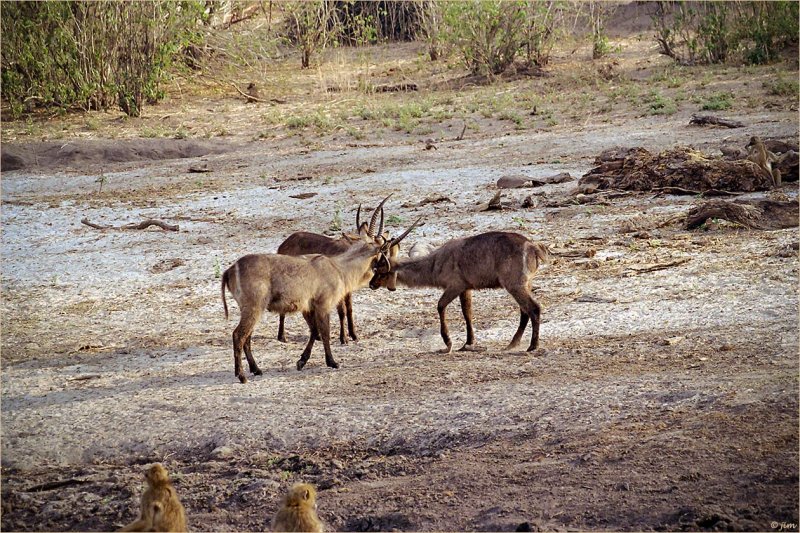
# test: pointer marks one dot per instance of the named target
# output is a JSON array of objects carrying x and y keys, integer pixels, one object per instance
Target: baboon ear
[{"x": 306, "y": 494}]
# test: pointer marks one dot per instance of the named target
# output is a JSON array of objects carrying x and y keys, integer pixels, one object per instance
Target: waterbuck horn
[
  {"x": 371, "y": 229},
  {"x": 397, "y": 240},
  {"x": 380, "y": 227},
  {"x": 358, "y": 219}
]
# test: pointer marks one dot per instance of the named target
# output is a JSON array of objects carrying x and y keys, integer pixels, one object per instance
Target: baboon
[
  {"x": 758, "y": 154},
  {"x": 298, "y": 511},
  {"x": 161, "y": 509}
]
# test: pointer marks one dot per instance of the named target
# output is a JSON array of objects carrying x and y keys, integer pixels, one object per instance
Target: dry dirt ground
[{"x": 659, "y": 400}]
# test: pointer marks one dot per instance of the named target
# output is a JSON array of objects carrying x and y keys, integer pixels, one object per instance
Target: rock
[
  {"x": 222, "y": 452},
  {"x": 513, "y": 182}
]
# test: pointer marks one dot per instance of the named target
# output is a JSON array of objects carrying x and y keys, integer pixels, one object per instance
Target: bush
[
  {"x": 90, "y": 54},
  {"x": 538, "y": 33},
  {"x": 486, "y": 32},
  {"x": 717, "y": 32}
]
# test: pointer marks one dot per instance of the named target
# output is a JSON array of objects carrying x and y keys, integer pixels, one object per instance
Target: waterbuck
[
  {"x": 487, "y": 261},
  {"x": 310, "y": 284},
  {"x": 304, "y": 242}
]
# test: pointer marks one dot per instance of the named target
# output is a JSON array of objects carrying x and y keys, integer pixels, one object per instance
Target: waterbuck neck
[
  {"x": 417, "y": 272},
  {"x": 355, "y": 264}
]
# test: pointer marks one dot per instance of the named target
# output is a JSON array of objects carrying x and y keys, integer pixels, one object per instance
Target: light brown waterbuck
[
  {"x": 311, "y": 285},
  {"x": 304, "y": 242}
]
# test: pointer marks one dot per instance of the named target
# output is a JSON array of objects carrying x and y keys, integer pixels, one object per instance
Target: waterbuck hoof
[
  {"x": 446, "y": 350},
  {"x": 242, "y": 378},
  {"x": 342, "y": 340},
  {"x": 282, "y": 339},
  {"x": 511, "y": 347},
  {"x": 533, "y": 347},
  {"x": 257, "y": 372},
  {"x": 332, "y": 364},
  {"x": 300, "y": 364},
  {"x": 471, "y": 348}
]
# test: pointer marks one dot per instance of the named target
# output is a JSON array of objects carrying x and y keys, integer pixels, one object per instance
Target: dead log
[
  {"x": 789, "y": 164},
  {"x": 778, "y": 146},
  {"x": 704, "y": 120},
  {"x": 754, "y": 214}
]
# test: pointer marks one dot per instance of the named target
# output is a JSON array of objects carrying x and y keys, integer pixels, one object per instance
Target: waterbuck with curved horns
[
  {"x": 310, "y": 284},
  {"x": 304, "y": 242}
]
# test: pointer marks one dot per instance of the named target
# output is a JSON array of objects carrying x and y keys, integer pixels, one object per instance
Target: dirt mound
[
  {"x": 637, "y": 169},
  {"x": 77, "y": 152}
]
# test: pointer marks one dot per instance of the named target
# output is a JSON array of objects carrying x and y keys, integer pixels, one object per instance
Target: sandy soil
[{"x": 658, "y": 400}]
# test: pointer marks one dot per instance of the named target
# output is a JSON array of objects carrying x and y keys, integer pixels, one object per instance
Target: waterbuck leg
[
  {"x": 281, "y": 332},
  {"x": 535, "y": 313},
  {"x": 324, "y": 328},
  {"x": 351, "y": 325},
  {"x": 312, "y": 335},
  {"x": 530, "y": 307},
  {"x": 243, "y": 332},
  {"x": 523, "y": 323},
  {"x": 448, "y": 296},
  {"x": 251, "y": 362},
  {"x": 340, "y": 312},
  {"x": 466, "y": 309}
]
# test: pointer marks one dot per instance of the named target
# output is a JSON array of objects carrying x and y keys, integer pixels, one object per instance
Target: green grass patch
[{"x": 717, "y": 102}]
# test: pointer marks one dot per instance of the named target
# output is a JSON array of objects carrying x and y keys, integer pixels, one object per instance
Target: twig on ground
[{"x": 141, "y": 225}]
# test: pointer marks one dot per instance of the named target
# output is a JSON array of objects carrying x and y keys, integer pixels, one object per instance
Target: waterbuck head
[{"x": 383, "y": 275}]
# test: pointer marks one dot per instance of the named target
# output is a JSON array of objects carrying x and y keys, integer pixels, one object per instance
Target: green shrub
[
  {"x": 91, "y": 54},
  {"x": 717, "y": 32},
  {"x": 718, "y": 102},
  {"x": 486, "y": 32}
]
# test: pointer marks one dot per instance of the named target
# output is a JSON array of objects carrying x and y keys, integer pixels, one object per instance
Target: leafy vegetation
[
  {"x": 93, "y": 54},
  {"x": 718, "y": 32}
]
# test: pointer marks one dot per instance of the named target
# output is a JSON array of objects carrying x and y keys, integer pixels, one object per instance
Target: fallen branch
[
  {"x": 50, "y": 485},
  {"x": 84, "y": 377},
  {"x": 461, "y": 135},
  {"x": 703, "y": 120},
  {"x": 681, "y": 190},
  {"x": 255, "y": 99},
  {"x": 659, "y": 266},
  {"x": 303, "y": 195},
  {"x": 141, "y": 225}
]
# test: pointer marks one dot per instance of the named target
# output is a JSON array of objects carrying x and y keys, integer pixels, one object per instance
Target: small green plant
[
  {"x": 217, "y": 268},
  {"x": 519, "y": 221},
  {"x": 393, "y": 220},
  {"x": 513, "y": 116},
  {"x": 658, "y": 104},
  {"x": 718, "y": 102},
  {"x": 336, "y": 221},
  {"x": 101, "y": 180}
]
